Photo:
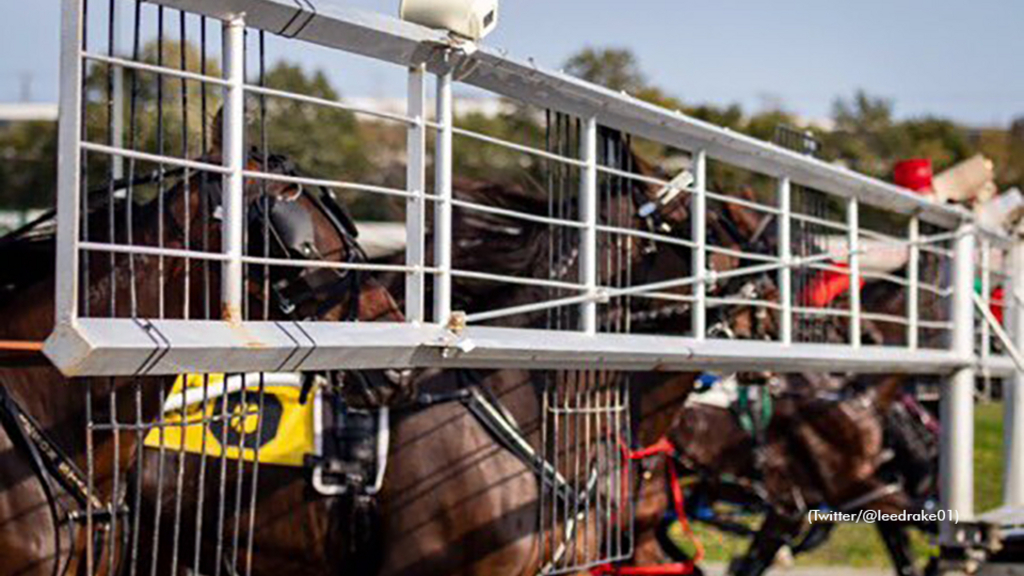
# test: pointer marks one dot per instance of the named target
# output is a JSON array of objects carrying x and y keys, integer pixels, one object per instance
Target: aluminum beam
[
  {"x": 124, "y": 346},
  {"x": 69, "y": 163}
]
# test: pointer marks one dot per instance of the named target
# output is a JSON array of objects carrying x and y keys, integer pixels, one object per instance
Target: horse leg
[
  {"x": 651, "y": 503},
  {"x": 898, "y": 544},
  {"x": 776, "y": 531},
  {"x": 815, "y": 537}
]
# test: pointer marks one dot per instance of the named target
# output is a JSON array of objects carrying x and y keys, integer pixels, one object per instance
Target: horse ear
[
  {"x": 888, "y": 390},
  {"x": 746, "y": 219}
]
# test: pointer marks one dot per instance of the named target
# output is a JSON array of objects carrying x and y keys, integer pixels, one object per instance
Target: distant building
[
  {"x": 465, "y": 106},
  {"x": 27, "y": 112}
]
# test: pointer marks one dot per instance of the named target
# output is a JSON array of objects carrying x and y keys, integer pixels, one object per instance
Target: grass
[{"x": 858, "y": 545}]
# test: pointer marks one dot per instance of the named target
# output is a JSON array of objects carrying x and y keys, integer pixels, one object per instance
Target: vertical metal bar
[
  {"x": 786, "y": 255},
  {"x": 853, "y": 261},
  {"x": 1013, "y": 397},
  {"x": 133, "y": 555},
  {"x": 416, "y": 183},
  {"x": 588, "y": 217},
  {"x": 115, "y": 477},
  {"x": 913, "y": 283},
  {"x": 90, "y": 490},
  {"x": 698, "y": 223},
  {"x": 234, "y": 159},
  {"x": 69, "y": 162},
  {"x": 117, "y": 106},
  {"x": 956, "y": 468},
  {"x": 443, "y": 207},
  {"x": 985, "y": 265}
]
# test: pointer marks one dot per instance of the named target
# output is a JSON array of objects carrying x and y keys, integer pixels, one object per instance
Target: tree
[
  {"x": 28, "y": 165},
  {"x": 613, "y": 68},
  {"x": 869, "y": 139}
]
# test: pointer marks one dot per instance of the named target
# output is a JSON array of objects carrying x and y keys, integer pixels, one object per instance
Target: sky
[{"x": 951, "y": 58}]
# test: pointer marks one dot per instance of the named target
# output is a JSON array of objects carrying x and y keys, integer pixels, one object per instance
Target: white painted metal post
[
  {"x": 117, "y": 108},
  {"x": 985, "y": 264},
  {"x": 786, "y": 256},
  {"x": 443, "y": 207},
  {"x": 416, "y": 183},
  {"x": 913, "y": 282},
  {"x": 698, "y": 223},
  {"x": 234, "y": 159},
  {"x": 69, "y": 162},
  {"x": 1013, "y": 392},
  {"x": 956, "y": 460},
  {"x": 588, "y": 217},
  {"x": 853, "y": 261}
]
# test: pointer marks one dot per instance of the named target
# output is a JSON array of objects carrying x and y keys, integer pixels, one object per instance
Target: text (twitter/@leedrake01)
[{"x": 872, "y": 516}]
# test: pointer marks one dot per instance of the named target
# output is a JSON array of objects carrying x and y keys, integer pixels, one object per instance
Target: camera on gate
[{"x": 471, "y": 19}]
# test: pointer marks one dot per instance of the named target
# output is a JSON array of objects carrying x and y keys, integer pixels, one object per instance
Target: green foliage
[
  {"x": 867, "y": 138},
  {"x": 325, "y": 142},
  {"x": 28, "y": 165},
  {"x": 482, "y": 161},
  {"x": 613, "y": 68},
  {"x": 330, "y": 143}
]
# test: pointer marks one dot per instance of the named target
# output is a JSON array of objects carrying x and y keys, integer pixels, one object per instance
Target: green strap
[{"x": 745, "y": 414}]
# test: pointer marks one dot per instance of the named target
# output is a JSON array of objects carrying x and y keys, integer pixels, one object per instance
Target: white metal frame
[
  {"x": 84, "y": 346},
  {"x": 97, "y": 346}
]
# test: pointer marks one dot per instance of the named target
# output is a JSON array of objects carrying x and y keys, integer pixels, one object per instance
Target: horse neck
[
  {"x": 376, "y": 303},
  {"x": 136, "y": 284}
]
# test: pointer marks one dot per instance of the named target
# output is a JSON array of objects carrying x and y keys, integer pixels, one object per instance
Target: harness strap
[
  {"x": 664, "y": 448},
  {"x": 47, "y": 458},
  {"x": 509, "y": 436},
  {"x": 10, "y": 416}
]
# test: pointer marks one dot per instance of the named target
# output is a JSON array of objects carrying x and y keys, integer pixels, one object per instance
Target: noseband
[{"x": 282, "y": 226}]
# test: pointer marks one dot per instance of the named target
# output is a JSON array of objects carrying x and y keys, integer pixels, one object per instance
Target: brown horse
[
  {"x": 37, "y": 506},
  {"x": 297, "y": 531},
  {"x": 472, "y": 507},
  {"x": 822, "y": 447},
  {"x": 455, "y": 500}
]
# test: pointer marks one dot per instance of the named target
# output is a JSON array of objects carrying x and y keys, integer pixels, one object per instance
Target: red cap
[{"x": 915, "y": 174}]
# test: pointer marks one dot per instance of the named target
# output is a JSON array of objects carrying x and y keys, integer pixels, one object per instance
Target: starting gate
[{"x": 584, "y": 301}]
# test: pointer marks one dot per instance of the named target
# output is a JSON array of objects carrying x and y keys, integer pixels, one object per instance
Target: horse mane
[{"x": 498, "y": 243}]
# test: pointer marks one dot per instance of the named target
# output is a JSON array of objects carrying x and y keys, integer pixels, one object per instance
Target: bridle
[
  {"x": 281, "y": 226},
  {"x": 278, "y": 226}
]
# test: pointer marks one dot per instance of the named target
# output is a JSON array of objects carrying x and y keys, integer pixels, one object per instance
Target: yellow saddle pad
[{"x": 218, "y": 416}]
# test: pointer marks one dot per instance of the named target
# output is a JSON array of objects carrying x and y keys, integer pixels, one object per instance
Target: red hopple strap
[
  {"x": 676, "y": 569},
  {"x": 664, "y": 448}
]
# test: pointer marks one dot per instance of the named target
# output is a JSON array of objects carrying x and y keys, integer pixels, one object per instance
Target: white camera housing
[{"x": 471, "y": 19}]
